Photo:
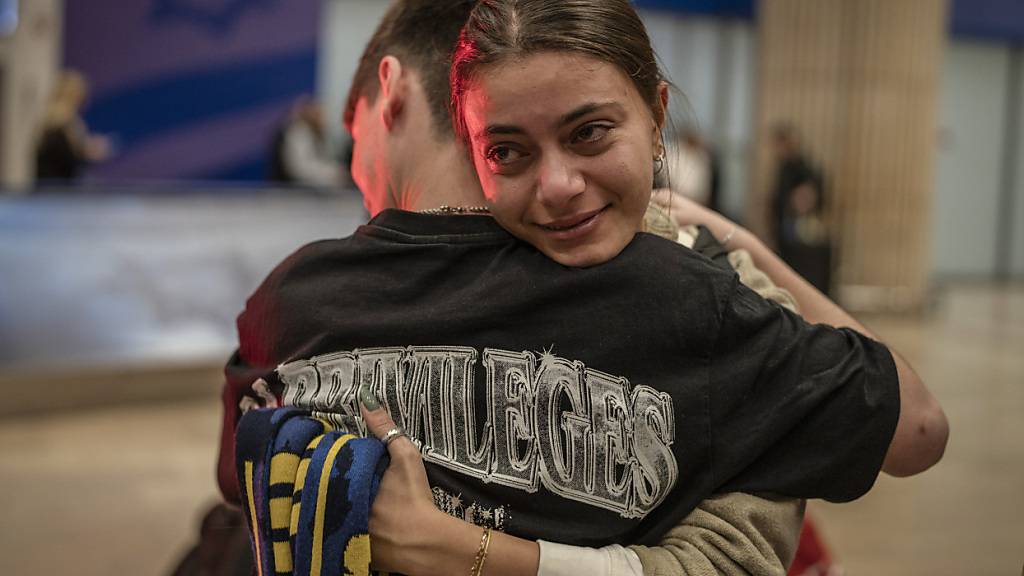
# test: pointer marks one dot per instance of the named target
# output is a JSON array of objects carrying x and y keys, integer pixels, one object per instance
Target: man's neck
[{"x": 440, "y": 176}]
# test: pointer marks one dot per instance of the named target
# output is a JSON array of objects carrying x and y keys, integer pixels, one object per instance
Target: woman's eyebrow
[
  {"x": 569, "y": 118},
  {"x": 587, "y": 108}
]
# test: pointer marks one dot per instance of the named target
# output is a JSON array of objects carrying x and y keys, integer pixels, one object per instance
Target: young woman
[{"x": 562, "y": 106}]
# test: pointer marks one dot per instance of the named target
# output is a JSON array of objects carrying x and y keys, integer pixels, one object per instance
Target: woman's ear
[
  {"x": 661, "y": 114},
  {"x": 393, "y": 89}
]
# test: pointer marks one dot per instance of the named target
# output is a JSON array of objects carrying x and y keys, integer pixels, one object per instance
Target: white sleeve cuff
[{"x": 562, "y": 560}]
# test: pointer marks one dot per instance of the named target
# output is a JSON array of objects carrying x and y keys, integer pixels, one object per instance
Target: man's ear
[{"x": 393, "y": 89}]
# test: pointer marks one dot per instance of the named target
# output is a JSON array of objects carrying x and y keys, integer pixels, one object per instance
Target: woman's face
[{"x": 564, "y": 147}]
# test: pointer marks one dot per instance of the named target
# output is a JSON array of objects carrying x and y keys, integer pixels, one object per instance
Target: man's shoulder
[
  {"x": 311, "y": 254},
  {"x": 652, "y": 252},
  {"x": 306, "y": 263},
  {"x": 673, "y": 274}
]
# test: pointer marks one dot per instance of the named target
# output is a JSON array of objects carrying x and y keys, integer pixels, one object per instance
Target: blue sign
[{"x": 990, "y": 19}]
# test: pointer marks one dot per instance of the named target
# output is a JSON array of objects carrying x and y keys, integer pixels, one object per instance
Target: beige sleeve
[
  {"x": 729, "y": 534},
  {"x": 657, "y": 221},
  {"x": 752, "y": 277}
]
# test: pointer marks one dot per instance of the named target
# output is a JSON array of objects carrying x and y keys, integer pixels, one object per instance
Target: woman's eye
[
  {"x": 501, "y": 155},
  {"x": 590, "y": 133}
]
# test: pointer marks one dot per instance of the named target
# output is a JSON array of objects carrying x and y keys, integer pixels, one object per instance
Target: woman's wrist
[
  {"x": 451, "y": 547},
  {"x": 447, "y": 546}
]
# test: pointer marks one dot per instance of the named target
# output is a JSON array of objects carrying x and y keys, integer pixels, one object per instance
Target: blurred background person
[
  {"x": 799, "y": 226},
  {"x": 300, "y": 153},
  {"x": 65, "y": 145}
]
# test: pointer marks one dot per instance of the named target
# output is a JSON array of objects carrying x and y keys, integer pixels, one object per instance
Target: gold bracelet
[{"x": 481, "y": 554}]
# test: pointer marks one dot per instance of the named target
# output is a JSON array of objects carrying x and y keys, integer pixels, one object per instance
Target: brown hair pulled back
[{"x": 608, "y": 30}]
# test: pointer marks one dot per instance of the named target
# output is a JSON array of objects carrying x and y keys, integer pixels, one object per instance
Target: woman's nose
[{"x": 559, "y": 181}]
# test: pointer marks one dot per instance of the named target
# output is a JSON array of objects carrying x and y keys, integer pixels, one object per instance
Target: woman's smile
[{"x": 573, "y": 227}]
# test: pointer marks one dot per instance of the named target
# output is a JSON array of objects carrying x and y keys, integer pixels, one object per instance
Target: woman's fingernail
[{"x": 368, "y": 400}]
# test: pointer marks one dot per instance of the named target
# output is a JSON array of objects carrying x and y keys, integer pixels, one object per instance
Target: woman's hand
[
  {"x": 404, "y": 523},
  {"x": 409, "y": 535}
]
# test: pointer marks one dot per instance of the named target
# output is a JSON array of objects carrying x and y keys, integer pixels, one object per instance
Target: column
[{"x": 859, "y": 79}]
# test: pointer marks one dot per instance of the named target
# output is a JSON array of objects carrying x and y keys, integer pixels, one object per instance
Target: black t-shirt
[{"x": 584, "y": 406}]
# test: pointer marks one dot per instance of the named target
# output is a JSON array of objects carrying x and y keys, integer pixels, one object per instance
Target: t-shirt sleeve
[
  {"x": 253, "y": 360},
  {"x": 238, "y": 379},
  {"x": 804, "y": 410}
]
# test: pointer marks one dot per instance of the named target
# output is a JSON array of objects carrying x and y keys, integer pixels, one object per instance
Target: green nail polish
[{"x": 368, "y": 400}]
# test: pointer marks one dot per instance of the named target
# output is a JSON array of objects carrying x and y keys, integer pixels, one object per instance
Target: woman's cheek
[{"x": 630, "y": 184}]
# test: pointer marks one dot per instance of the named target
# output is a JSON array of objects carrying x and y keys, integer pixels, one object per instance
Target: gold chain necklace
[{"x": 445, "y": 209}]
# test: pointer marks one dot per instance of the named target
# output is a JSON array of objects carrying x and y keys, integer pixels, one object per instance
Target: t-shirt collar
[{"x": 419, "y": 224}]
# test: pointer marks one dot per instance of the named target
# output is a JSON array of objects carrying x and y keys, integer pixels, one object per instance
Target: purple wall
[{"x": 191, "y": 88}]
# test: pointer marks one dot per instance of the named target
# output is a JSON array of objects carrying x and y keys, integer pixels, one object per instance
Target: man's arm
[{"x": 922, "y": 429}]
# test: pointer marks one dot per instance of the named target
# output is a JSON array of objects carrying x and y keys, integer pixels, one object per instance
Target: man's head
[
  {"x": 785, "y": 140},
  {"x": 400, "y": 88}
]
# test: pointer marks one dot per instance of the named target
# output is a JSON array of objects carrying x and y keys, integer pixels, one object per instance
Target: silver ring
[{"x": 392, "y": 434}]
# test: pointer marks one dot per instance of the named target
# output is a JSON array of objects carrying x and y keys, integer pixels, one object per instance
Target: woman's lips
[{"x": 574, "y": 226}]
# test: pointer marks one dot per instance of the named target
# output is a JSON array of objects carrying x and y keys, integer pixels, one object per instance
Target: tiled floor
[
  {"x": 120, "y": 491},
  {"x": 966, "y": 515},
  {"x": 117, "y": 491}
]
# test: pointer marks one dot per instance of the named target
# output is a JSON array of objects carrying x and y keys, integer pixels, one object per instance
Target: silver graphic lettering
[
  {"x": 613, "y": 430},
  {"x": 511, "y": 416},
  {"x": 654, "y": 431},
  {"x": 583, "y": 434},
  {"x": 563, "y": 426}
]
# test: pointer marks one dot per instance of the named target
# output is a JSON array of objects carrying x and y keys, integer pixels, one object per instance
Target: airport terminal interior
[{"x": 121, "y": 277}]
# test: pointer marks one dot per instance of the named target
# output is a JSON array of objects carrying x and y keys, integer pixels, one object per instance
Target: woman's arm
[
  {"x": 922, "y": 429},
  {"x": 734, "y": 533},
  {"x": 729, "y": 534}
]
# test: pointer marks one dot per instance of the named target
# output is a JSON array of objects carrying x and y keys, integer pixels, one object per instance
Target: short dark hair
[
  {"x": 421, "y": 33},
  {"x": 608, "y": 30}
]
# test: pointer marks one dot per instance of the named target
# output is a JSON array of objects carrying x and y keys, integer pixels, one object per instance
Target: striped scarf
[{"x": 306, "y": 490}]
